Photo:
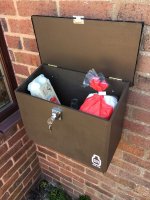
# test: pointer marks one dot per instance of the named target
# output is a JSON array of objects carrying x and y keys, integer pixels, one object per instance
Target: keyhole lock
[{"x": 56, "y": 114}]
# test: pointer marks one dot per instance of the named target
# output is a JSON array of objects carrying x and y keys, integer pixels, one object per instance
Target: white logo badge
[{"x": 96, "y": 161}]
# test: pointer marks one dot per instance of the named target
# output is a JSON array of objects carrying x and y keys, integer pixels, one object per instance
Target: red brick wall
[
  {"x": 128, "y": 177},
  {"x": 19, "y": 165}
]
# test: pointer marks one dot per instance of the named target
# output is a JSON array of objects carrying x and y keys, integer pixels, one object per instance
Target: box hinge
[
  {"x": 78, "y": 19},
  {"x": 113, "y": 78},
  {"x": 50, "y": 65}
]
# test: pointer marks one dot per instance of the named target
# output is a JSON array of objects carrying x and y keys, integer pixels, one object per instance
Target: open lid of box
[{"x": 110, "y": 47}]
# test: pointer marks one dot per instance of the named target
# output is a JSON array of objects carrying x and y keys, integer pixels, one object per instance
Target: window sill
[{"x": 9, "y": 122}]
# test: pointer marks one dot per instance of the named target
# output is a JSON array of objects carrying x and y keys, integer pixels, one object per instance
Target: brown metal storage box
[{"x": 68, "y": 49}]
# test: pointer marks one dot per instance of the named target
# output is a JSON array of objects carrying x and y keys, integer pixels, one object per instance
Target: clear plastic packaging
[
  {"x": 95, "y": 81},
  {"x": 42, "y": 88},
  {"x": 98, "y": 104}
]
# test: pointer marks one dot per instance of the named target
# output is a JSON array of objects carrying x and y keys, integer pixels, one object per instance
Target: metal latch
[
  {"x": 50, "y": 65},
  {"x": 56, "y": 114},
  {"x": 78, "y": 19},
  {"x": 113, "y": 78}
]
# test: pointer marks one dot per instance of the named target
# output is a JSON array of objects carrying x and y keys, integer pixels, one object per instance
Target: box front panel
[{"x": 78, "y": 135}]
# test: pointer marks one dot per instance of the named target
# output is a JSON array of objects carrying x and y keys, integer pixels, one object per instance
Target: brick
[
  {"x": 126, "y": 166},
  {"x": 142, "y": 83},
  {"x": 7, "y": 7},
  {"x": 3, "y": 149},
  {"x": 50, "y": 174},
  {"x": 34, "y": 162},
  {"x": 141, "y": 115},
  {"x": 19, "y": 180},
  {"x": 84, "y": 176},
  {"x": 32, "y": 7},
  {"x": 37, "y": 175},
  {"x": 29, "y": 59},
  {"x": 68, "y": 189},
  {"x": 102, "y": 9},
  {"x": 147, "y": 175},
  {"x": 122, "y": 181},
  {"x": 134, "y": 12},
  {"x": 72, "y": 186},
  {"x": 138, "y": 99},
  {"x": 27, "y": 162},
  {"x": 42, "y": 155},
  {"x": 113, "y": 174},
  {"x": 143, "y": 191},
  {"x": 31, "y": 150},
  {"x": 30, "y": 44},
  {"x": 147, "y": 155},
  {"x": 23, "y": 26},
  {"x": 118, "y": 154},
  {"x": 19, "y": 79},
  {"x": 22, "y": 150},
  {"x": 131, "y": 149},
  {"x": 47, "y": 151},
  {"x": 100, "y": 190},
  {"x": 90, "y": 191},
  {"x": 140, "y": 129},
  {"x": 75, "y": 194},
  {"x": 71, "y": 163},
  {"x": 13, "y": 140},
  {"x": 78, "y": 184},
  {"x": 94, "y": 174},
  {"x": 2, "y": 138},
  {"x": 11, "y": 54},
  {"x": 146, "y": 42},
  {"x": 124, "y": 196},
  {"x": 10, "y": 153},
  {"x": 13, "y": 169},
  {"x": 113, "y": 170},
  {"x": 135, "y": 179},
  {"x": 136, "y": 161},
  {"x": 106, "y": 187},
  {"x": 20, "y": 124},
  {"x": 43, "y": 166},
  {"x": 11, "y": 131},
  {"x": 128, "y": 111},
  {"x": 13, "y": 42},
  {"x": 15, "y": 193},
  {"x": 8, "y": 184},
  {"x": 30, "y": 175},
  {"x": 52, "y": 165},
  {"x": 61, "y": 174},
  {"x": 97, "y": 198},
  {"x": 32, "y": 69},
  {"x": 6, "y": 167},
  {"x": 143, "y": 64},
  {"x": 64, "y": 166},
  {"x": 25, "y": 139},
  {"x": 23, "y": 198},
  {"x": 1, "y": 183},
  {"x": 54, "y": 161},
  {"x": 5, "y": 196},
  {"x": 138, "y": 141},
  {"x": 100, "y": 177},
  {"x": 21, "y": 69},
  {"x": 4, "y": 24},
  {"x": 24, "y": 190}
]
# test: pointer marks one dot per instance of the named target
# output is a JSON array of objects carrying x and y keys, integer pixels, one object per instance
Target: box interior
[{"x": 68, "y": 84}]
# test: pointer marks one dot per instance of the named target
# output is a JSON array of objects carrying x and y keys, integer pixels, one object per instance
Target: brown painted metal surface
[
  {"x": 77, "y": 135},
  {"x": 109, "y": 47}
]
